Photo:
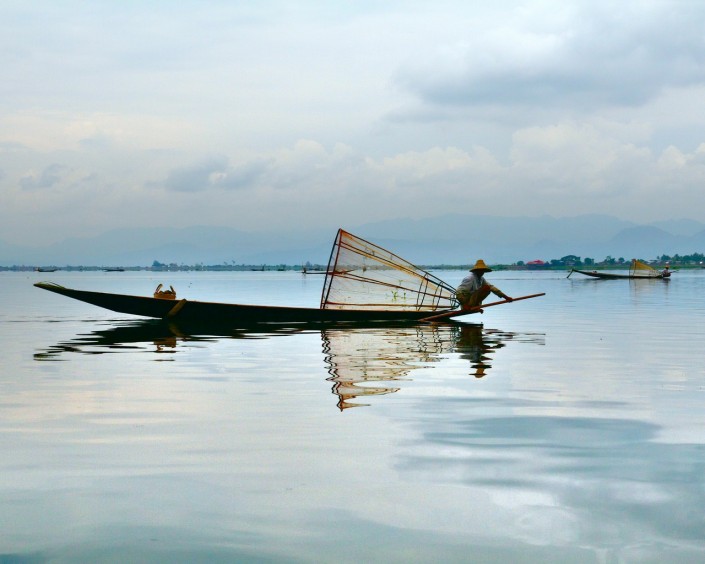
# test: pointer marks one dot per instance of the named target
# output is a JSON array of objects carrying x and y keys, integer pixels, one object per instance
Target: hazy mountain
[
  {"x": 694, "y": 244},
  {"x": 684, "y": 227},
  {"x": 447, "y": 239},
  {"x": 456, "y": 238},
  {"x": 12, "y": 254},
  {"x": 646, "y": 242},
  {"x": 501, "y": 230}
]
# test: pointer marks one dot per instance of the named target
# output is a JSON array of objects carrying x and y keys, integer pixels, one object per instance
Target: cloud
[
  {"x": 573, "y": 55},
  {"x": 567, "y": 168},
  {"x": 508, "y": 108},
  {"x": 564, "y": 169},
  {"x": 11, "y": 147},
  {"x": 216, "y": 173},
  {"x": 284, "y": 169},
  {"x": 49, "y": 177},
  {"x": 197, "y": 177},
  {"x": 242, "y": 176},
  {"x": 97, "y": 142},
  {"x": 42, "y": 133}
]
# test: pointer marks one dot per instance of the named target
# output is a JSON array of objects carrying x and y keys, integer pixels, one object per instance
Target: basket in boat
[{"x": 169, "y": 294}]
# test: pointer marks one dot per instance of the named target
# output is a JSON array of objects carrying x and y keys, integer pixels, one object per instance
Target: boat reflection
[
  {"x": 360, "y": 361},
  {"x": 151, "y": 335}
]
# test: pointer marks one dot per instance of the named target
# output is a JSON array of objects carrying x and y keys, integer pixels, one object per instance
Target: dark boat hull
[
  {"x": 611, "y": 276},
  {"x": 234, "y": 315}
]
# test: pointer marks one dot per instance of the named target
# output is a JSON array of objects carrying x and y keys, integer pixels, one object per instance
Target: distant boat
[
  {"x": 42, "y": 269},
  {"x": 113, "y": 270},
  {"x": 305, "y": 270},
  {"x": 637, "y": 271}
]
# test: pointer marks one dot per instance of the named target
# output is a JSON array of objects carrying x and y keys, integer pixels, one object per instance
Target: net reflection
[{"x": 359, "y": 361}]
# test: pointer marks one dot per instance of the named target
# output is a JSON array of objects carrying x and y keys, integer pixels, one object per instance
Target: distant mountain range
[{"x": 449, "y": 239}]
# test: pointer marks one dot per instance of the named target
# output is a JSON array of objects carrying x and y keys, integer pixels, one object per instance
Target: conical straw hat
[{"x": 480, "y": 265}]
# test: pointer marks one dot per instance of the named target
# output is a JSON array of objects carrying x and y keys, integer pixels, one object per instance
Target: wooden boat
[
  {"x": 637, "y": 271},
  {"x": 614, "y": 276},
  {"x": 304, "y": 271},
  {"x": 235, "y": 315}
]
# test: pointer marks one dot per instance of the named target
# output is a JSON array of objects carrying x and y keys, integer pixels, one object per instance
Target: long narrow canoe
[
  {"x": 234, "y": 315},
  {"x": 612, "y": 276}
]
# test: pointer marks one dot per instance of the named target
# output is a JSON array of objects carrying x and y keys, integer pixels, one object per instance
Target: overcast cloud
[{"x": 259, "y": 115}]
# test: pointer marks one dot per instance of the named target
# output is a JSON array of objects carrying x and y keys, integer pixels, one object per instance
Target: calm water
[{"x": 568, "y": 428}]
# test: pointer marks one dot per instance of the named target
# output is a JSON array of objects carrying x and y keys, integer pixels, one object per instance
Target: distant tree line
[
  {"x": 610, "y": 261},
  {"x": 695, "y": 258}
]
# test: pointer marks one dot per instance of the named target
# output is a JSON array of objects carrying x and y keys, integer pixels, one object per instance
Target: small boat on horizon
[{"x": 637, "y": 271}]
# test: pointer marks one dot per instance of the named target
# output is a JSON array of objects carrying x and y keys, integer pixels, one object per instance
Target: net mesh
[
  {"x": 362, "y": 275},
  {"x": 642, "y": 269}
]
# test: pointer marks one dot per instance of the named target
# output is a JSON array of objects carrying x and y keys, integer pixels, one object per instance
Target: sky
[{"x": 271, "y": 115}]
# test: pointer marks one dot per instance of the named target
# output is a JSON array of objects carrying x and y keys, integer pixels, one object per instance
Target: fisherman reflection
[{"x": 476, "y": 345}]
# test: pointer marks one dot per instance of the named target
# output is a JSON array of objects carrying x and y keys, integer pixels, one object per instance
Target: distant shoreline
[{"x": 49, "y": 269}]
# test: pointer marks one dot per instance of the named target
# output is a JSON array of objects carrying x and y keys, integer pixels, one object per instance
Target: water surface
[{"x": 564, "y": 428}]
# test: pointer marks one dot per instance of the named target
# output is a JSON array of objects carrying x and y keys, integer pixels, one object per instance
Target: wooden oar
[
  {"x": 174, "y": 311},
  {"x": 475, "y": 309}
]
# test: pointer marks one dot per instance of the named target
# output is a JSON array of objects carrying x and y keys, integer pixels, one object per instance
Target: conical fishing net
[
  {"x": 642, "y": 269},
  {"x": 362, "y": 275}
]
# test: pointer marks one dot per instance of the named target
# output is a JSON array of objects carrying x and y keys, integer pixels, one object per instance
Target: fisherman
[
  {"x": 474, "y": 288},
  {"x": 665, "y": 273}
]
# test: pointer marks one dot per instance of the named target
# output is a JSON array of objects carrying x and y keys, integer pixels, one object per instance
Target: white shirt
[{"x": 472, "y": 283}]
